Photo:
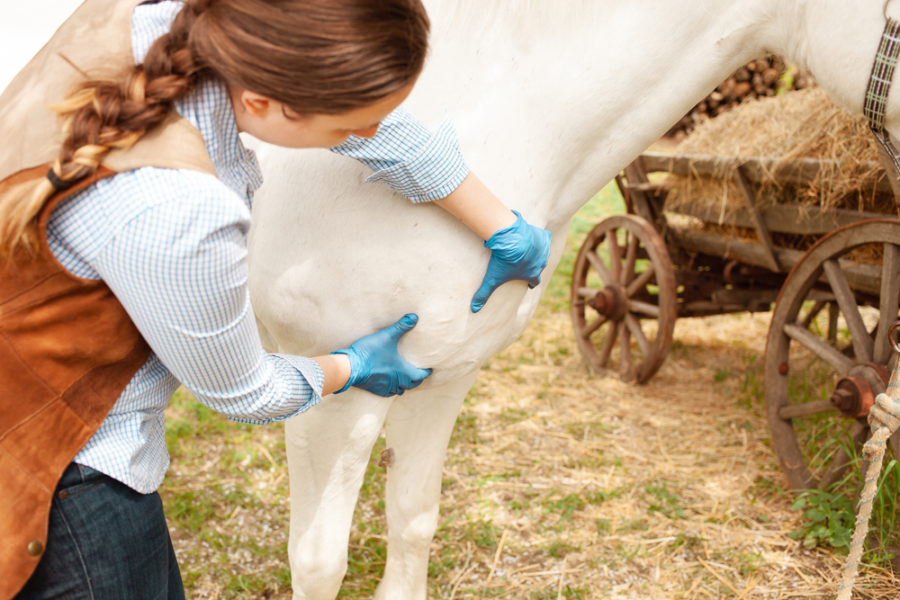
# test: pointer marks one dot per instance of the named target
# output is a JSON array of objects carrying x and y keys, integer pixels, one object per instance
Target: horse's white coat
[{"x": 550, "y": 100}]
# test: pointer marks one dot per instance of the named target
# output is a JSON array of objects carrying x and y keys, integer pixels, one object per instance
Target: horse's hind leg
[
  {"x": 417, "y": 431},
  {"x": 328, "y": 449}
]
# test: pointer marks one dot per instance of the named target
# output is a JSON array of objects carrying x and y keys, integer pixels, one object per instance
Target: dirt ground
[
  {"x": 564, "y": 484},
  {"x": 667, "y": 490}
]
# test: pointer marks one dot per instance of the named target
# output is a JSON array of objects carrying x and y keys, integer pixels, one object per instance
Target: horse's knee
[
  {"x": 317, "y": 575},
  {"x": 412, "y": 510},
  {"x": 412, "y": 524},
  {"x": 419, "y": 530}
]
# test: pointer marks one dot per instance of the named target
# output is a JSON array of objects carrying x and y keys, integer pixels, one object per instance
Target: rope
[
  {"x": 884, "y": 417},
  {"x": 884, "y": 420}
]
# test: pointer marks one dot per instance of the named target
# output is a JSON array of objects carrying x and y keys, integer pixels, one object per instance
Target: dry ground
[
  {"x": 668, "y": 490},
  {"x": 559, "y": 484}
]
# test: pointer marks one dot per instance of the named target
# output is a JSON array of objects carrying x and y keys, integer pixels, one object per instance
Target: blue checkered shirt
[{"x": 171, "y": 244}]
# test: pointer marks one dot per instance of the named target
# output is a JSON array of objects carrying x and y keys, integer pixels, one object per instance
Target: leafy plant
[{"x": 828, "y": 519}]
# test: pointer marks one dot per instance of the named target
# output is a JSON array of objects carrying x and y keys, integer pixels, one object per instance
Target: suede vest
[{"x": 67, "y": 346}]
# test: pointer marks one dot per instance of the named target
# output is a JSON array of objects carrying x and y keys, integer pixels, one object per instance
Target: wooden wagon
[{"x": 637, "y": 272}]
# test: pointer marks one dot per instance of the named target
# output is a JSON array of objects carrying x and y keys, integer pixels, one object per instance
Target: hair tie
[{"x": 56, "y": 182}]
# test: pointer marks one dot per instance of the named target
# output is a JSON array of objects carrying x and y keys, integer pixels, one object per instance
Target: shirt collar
[{"x": 207, "y": 107}]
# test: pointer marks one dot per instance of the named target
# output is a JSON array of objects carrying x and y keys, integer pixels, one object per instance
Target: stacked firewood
[{"x": 758, "y": 78}]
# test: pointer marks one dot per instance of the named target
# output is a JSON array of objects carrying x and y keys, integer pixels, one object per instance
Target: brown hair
[{"x": 313, "y": 56}]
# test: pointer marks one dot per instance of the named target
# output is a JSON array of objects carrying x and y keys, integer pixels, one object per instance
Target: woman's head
[
  {"x": 313, "y": 56},
  {"x": 275, "y": 123},
  {"x": 308, "y": 73},
  {"x": 311, "y": 59}
]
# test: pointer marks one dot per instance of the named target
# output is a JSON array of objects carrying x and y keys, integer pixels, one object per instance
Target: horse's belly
[{"x": 333, "y": 260}]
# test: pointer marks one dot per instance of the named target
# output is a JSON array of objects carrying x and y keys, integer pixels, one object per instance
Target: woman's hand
[
  {"x": 519, "y": 251},
  {"x": 376, "y": 365}
]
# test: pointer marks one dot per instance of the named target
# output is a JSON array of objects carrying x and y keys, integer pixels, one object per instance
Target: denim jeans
[{"x": 106, "y": 542}]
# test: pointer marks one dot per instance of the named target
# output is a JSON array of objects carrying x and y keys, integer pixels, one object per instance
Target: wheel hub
[
  {"x": 610, "y": 302},
  {"x": 855, "y": 394}
]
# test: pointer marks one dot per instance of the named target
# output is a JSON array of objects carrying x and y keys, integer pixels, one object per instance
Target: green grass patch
[{"x": 606, "y": 202}]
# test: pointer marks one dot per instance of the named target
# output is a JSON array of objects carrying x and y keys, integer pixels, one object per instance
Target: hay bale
[{"x": 797, "y": 124}]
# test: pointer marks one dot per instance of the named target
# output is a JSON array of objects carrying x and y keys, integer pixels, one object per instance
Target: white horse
[{"x": 550, "y": 100}]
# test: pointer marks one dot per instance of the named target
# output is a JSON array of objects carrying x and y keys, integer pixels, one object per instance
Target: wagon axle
[
  {"x": 853, "y": 396},
  {"x": 610, "y": 302}
]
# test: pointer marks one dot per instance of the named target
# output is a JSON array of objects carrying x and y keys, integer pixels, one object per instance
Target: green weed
[
  {"x": 828, "y": 519},
  {"x": 752, "y": 391},
  {"x": 552, "y": 593},
  {"x": 483, "y": 533},
  {"x": 663, "y": 501},
  {"x": 558, "y": 549},
  {"x": 565, "y": 507},
  {"x": 829, "y": 516}
]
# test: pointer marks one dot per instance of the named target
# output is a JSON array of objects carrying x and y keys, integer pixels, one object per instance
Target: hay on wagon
[{"x": 802, "y": 124}]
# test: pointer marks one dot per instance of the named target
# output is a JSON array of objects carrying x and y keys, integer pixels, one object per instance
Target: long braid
[
  {"x": 312, "y": 56},
  {"x": 100, "y": 116}
]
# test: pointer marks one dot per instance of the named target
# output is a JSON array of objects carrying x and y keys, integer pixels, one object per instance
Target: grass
[
  {"x": 557, "y": 484},
  {"x": 606, "y": 202},
  {"x": 225, "y": 474}
]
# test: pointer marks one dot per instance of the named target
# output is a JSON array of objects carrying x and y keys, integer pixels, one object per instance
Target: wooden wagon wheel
[
  {"x": 623, "y": 298},
  {"x": 826, "y": 329}
]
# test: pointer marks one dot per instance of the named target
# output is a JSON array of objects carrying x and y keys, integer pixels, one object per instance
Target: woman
[{"x": 137, "y": 282}]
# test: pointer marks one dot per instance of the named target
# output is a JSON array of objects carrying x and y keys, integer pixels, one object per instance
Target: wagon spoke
[
  {"x": 597, "y": 263},
  {"x": 859, "y": 336},
  {"x": 625, "y": 335},
  {"x": 615, "y": 255},
  {"x": 640, "y": 281},
  {"x": 813, "y": 313},
  {"x": 634, "y": 327},
  {"x": 630, "y": 258},
  {"x": 587, "y": 292},
  {"x": 608, "y": 345},
  {"x": 823, "y": 350},
  {"x": 807, "y": 409},
  {"x": 833, "y": 314},
  {"x": 590, "y": 328},
  {"x": 643, "y": 308},
  {"x": 888, "y": 303}
]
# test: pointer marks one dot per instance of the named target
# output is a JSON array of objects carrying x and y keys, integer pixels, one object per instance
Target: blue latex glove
[
  {"x": 376, "y": 366},
  {"x": 519, "y": 251}
]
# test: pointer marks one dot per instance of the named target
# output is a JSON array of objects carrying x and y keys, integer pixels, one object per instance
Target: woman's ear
[{"x": 255, "y": 104}]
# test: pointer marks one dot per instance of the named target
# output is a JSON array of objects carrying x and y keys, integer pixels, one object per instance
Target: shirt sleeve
[
  {"x": 180, "y": 270},
  {"x": 410, "y": 159}
]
